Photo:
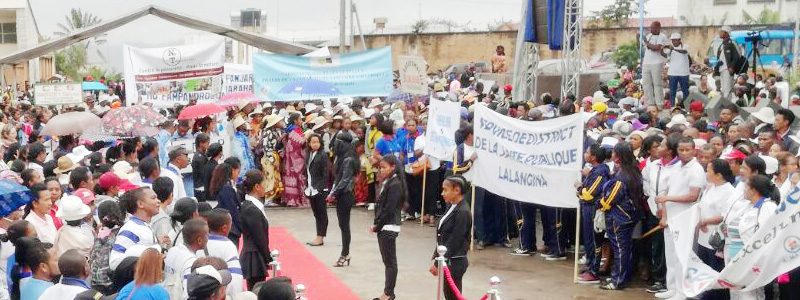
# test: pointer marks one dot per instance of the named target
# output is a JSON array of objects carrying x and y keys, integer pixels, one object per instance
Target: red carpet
[{"x": 303, "y": 267}]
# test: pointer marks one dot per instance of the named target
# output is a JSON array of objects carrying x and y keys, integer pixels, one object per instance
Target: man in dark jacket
[{"x": 729, "y": 61}]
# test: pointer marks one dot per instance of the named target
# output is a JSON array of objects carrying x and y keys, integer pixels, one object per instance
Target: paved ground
[{"x": 523, "y": 277}]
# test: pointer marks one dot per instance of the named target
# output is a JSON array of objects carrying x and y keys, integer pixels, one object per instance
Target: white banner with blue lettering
[
  {"x": 535, "y": 162},
  {"x": 444, "y": 118}
]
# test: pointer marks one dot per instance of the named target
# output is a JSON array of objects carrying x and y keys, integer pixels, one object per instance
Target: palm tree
[{"x": 78, "y": 20}]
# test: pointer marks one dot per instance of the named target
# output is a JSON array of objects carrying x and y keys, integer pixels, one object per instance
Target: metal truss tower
[
  {"x": 571, "y": 52},
  {"x": 526, "y": 60}
]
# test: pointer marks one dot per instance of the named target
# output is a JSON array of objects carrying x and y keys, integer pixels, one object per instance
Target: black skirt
[{"x": 253, "y": 264}]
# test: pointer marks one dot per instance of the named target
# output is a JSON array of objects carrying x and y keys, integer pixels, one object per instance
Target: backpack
[
  {"x": 173, "y": 282},
  {"x": 100, "y": 270}
]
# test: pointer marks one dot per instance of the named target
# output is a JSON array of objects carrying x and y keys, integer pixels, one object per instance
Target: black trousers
[
  {"x": 433, "y": 186},
  {"x": 458, "y": 266},
  {"x": 251, "y": 282},
  {"x": 320, "y": 210},
  {"x": 344, "y": 203},
  {"x": 387, "y": 243},
  {"x": 658, "y": 265},
  {"x": 414, "y": 187}
]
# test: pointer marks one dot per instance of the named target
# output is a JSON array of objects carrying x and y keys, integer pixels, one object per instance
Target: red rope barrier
[
  {"x": 485, "y": 297},
  {"x": 452, "y": 283}
]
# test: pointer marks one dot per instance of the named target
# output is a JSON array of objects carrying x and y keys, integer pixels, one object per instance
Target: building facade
[{"x": 18, "y": 31}]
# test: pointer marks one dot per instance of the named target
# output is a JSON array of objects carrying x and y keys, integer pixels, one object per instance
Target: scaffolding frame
[{"x": 571, "y": 49}]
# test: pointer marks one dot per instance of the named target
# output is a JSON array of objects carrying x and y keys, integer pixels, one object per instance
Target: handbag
[
  {"x": 599, "y": 221},
  {"x": 716, "y": 240}
]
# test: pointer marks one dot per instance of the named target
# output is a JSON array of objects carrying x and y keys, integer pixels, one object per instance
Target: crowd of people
[{"x": 156, "y": 217}]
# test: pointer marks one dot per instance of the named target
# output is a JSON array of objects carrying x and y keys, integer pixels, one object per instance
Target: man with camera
[{"x": 729, "y": 61}]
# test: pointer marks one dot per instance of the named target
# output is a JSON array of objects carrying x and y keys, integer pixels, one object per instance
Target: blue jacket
[
  {"x": 617, "y": 202},
  {"x": 591, "y": 190}
]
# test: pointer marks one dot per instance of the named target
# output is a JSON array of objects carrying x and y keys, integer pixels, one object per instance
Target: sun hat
[
  {"x": 599, "y": 97},
  {"x": 678, "y": 119},
  {"x": 772, "y": 164},
  {"x": 310, "y": 108},
  {"x": 319, "y": 122},
  {"x": 271, "y": 120},
  {"x": 375, "y": 102},
  {"x": 123, "y": 169},
  {"x": 356, "y": 118},
  {"x": 64, "y": 165},
  {"x": 72, "y": 208},
  {"x": 622, "y": 127},
  {"x": 238, "y": 121},
  {"x": 765, "y": 114}
]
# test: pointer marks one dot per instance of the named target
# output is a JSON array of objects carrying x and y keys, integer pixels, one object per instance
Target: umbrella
[
  {"x": 310, "y": 87},
  {"x": 98, "y": 134},
  {"x": 200, "y": 110},
  {"x": 398, "y": 95},
  {"x": 132, "y": 121},
  {"x": 93, "y": 86},
  {"x": 71, "y": 123},
  {"x": 236, "y": 98},
  {"x": 13, "y": 196}
]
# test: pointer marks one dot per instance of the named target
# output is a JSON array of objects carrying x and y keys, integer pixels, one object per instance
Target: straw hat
[
  {"x": 765, "y": 114},
  {"x": 271, "y": 120},
  {"x": 238, "y": 121},
  {"x": 64, "y": 165},
  {"x": 319, "y": 122},
  {"x": 356, "y": 118},
  {"x": 375, "y": 102}
]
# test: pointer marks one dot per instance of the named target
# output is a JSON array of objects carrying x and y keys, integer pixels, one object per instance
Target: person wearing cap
[
  {"x": 74, "y": 268},
  {"x": 179, "y": 259},
  {"x": 241, "y": 145},
  {"x": 293, "y": 174},
  {"x": 679, "y": 64},
  {"x": 763, "y": 118},
  {"x": 653, "y": 64},
  {"x": 74, "y": 234},
  {"x": 598, "y": 121},
  {"x": 729, "y": 61},
  {"x": 208, "y": 283},
  {"x": 142, "y": 204},
  {"x": 507, "y": 97},
  {"x": 683, "y": 189},
  {"x": 696, "y": 110},
  {"x": 178, "y": 160}
]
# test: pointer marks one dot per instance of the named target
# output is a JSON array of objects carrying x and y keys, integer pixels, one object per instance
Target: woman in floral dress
[
  {"x": 271, "y": 135},
  {"x": 293, "y": 164}
]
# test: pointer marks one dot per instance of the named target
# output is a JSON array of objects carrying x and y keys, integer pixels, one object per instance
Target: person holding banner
[
  {"x": 589, "y": 194},
  {"x": 621, "y": 209},
  {"x": 713, "y": 207},
  {"x": 762, "y": 205}
]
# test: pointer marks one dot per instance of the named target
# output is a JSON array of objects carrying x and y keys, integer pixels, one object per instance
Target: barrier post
[
  {"x": 424, "y": 182},
  {"x": 440, "y": 261},
  {"x": 300, "y": 291},
  {"x": 494, "y": 290},
  {"x": 276, "y": 265}
]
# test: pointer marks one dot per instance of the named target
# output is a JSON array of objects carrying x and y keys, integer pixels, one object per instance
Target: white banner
[
  {"x": 57, "y": 93},
  {"x": 536, "y": 162},
  {"x": 444, "y": 119},
  {"x": 413, "y": 76},
  {"x": 174, "y": 75},
  {"x": 773, "y": 250},
  {"x": 238, "y": 78},
  {"x": 697, "y": 276}
]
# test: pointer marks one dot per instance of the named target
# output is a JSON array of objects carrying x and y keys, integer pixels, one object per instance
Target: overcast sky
[{"x": 288, "y": 19}]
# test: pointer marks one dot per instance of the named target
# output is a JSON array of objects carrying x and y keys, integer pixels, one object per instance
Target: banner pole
[
  {"x": 577, "y": 243},
  {"x": 422, "y": 208},
  {"x": 472, "y": 212}
]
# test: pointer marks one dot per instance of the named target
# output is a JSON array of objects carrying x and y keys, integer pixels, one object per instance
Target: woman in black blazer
[
  {"x": 255, "y": 257},
  {"x": 223, "y": 191},
  {"x": 213, "y": 155},
  {"x": 387, "y": 219},
  {"x": 345, "y": 166},
  {"x": 318, "y": 176},
  {"x": 453, "y": 232}
]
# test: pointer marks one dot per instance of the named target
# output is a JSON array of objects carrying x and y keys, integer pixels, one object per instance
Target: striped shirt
[
  {"x": 222, "y": 247},
  {"x": 134, "y": 232}
]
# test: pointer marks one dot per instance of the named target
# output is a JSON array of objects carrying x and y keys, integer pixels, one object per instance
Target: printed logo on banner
[
  {"x": 791, "y": 244},
  {"x": 172, "y": 56},
  {"x": 696, "y": 279}
]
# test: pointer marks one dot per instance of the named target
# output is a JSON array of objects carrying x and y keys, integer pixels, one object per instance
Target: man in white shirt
[
  {"x": 178, "y": 159},
  {"x": 653, "y": 64},
  {"x": 679, "y": 65},
  {"x": 74, "y": 268},
  {"x": 219, "y": 245},
  {"x": 179, "y": 260},
  {"x": 136, "y": 234},
  {"x": 683, "y": 190}
]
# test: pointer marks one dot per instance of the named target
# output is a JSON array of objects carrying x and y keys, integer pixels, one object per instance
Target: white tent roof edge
[{"x": 259, "y": 41}]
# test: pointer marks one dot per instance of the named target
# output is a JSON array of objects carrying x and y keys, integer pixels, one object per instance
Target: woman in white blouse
[
  {"x": 713, "y": 208},
  {"x": 38, "y": 213}
]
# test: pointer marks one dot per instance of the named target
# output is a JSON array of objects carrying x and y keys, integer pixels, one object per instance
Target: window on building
[
  {"x": 251, "y": 18},
  {"x": 8, "y": 33},
  {"x": 718, "y": 2}
]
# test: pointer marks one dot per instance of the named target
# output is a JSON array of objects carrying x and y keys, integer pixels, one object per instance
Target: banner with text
[
  {"x": 279, "y": 77},
  {"x": 536, "y": 162},
  {"x": 57, "y": 93},
  {"x": 444, "y": 118},
  {"x": 238, "y": 78},
  {"x": 413, "y": 76},
  {"x": 174, "y": 75},
  {"x": 773, "y": 249}
]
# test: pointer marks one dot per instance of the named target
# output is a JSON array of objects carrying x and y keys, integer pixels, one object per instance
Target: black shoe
[{"x": 657, "y": 287}]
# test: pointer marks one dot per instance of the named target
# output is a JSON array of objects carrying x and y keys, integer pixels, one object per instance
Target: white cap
[
  {"x": 725, "y": 28},
  {"x": 675, "y": 36}
]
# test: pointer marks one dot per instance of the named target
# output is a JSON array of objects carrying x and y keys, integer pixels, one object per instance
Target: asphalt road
[{"x": 522, "y": 277}]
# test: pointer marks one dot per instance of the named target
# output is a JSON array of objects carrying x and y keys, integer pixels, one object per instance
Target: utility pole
[
  {"x": 342, "y": 24},
  {"x": 352, "y": 28}
]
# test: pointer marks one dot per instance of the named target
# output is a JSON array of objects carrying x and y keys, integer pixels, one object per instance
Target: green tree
[
  {"x": 616, "y": 14},
  {"x": 71, "y": 61},
  {"x": 766, "y": 16},
  {"x": 626, "y": 55}
]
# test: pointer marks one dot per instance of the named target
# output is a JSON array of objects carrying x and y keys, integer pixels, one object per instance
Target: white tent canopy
[{"x": 256, "y": 40}]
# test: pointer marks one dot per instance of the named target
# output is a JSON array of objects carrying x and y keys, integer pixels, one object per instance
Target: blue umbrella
[
  {"x": 13, "y": 196},
  {"x": 93, "y": 86},
  {"x": 310, "y": 87}
]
